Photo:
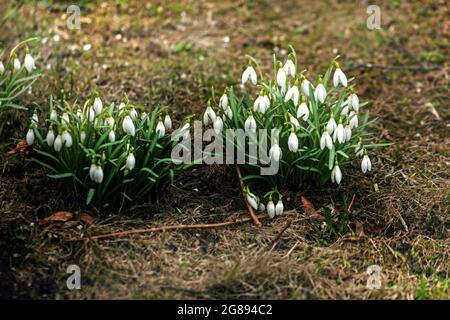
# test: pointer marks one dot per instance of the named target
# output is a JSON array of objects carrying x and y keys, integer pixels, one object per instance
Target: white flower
[
  {"x": 92, "y": 171},
  {"x": 98, "y": 105},
  {"x": 66, "y": 138},
  {"x": 54, "y": 115},
  {"x": 35, "y": 118},
  {"x": 223, "y": 102},
  {"x": 348, "y": 132},
  {"x": 79, "y": 114},
  {"x": 252, "y": 200},
  {"x": 331, "y": 125},
  {"x": 271, "y": 209},
  {"x": 366, "y": 164},
  {"x": 109, "y": 121},
  {"x": 82, "y": 136},
  {"x": 249, "y": 74},
  {"x": 293, "y": 142},
  {"x": 336, "y": 174},
  {"x": 128, "y": 126},
  {"x": 218, "y": 125},
  {"x": 339, "y": 133},
  {"x": 91, "y": 115},
  {"x": 17, "y": 64},
  {"x": 281, "y": 78},
  {"x": 275, "y": 152},
  {"x": 30, "y": 137},
  {"x": 209, "y": 116},
  {"x": 289, "y": 68},
  {"x": 160, "y": 129},
  {"x": 295, "y": 122},
  {"x": 279, "y": 208},
  {"x": 29, "y": 63},
  {"x": 262, "y": 103},
  {"x": 292, "y": 94},
  {"x": 229, "y": 113},
  {"x": 339, "y": 77},
  {"x": 250, "y": 124},
  {"x": 320, "y": 93},
  {"x": 65, "y": 118},
  {"x": 144, "y": 115},
  {"x": 50, "y": 138},
  {"x": 112, "y": 136},
  {"x": 133, "y": 113},
  {"x": 2, "y": 68},
  {"x": 303, "y": 111},
  {"x": 167, "y": 122},
  {"x": 353, "y": 102},
  {"x": 305, "y": 87},
  {"x": 325, "y": 141},
  {"x": 96, "y": 173},
  {"x": 353, "y": 119},
  {"x": 345, "y": 109},
  {"x": 131, "y": 162},
  {"x": 57, "y": 145}
]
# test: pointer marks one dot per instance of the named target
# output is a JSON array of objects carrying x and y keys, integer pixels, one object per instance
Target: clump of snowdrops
[
  {"x": 16, "y": 75},
  {"x": 320, "y": 122},
  {"x": 111, "y": 154}
]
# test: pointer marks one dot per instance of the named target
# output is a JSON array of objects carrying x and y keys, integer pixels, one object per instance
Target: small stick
[
  {"x": 351, "y": 203},
  {"x": 169, "y": 228},
  {"x": 249, "y": 207},
  {"x": 277, "y": 238}
]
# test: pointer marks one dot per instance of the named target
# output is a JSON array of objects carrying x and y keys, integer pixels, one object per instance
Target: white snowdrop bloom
[
  {"x": 57, "y": 145},
  {"x": 54, "y": 115},
  {"x": 292, "y": 94},
  {"x": 306, "y": 86},
  {"x": 98, "y": 105},
  {"x": 275, "y": 153},
  {"x": 353, "y": 119},
  {"x": 29, "y": 63},
  {"x": 79, "y": 114},
  {"x": 121, "y": 106},
  {"x": 348, "y": 132},
  {"x": 262, "y": 103},
  {"x": 67, "y": 139},
  {"x": 30, "y": 137},
  {"x": 2, "y": 68},
  {"x": 289, "y": 68},
  {"x": 325, "y": 141},
  {"x": 271, "y": 209},
  {"x": 320, "y": 93},
  {"x": 279, "y": 208},
  {"x": 82, "y": 136},
  {"x": 250, "y": 124},
  {"x": 160, "y": 129},
  {"x": 295, "y": 122},
  {"x": 366, "y": 164},
  {"x": 50, "y": 138},
  {"x": 133, "y": 113},
  {"x": 265, "y": 105},
  {"x": 303, "y": 111},
  {"x": 223, "y": 102},
  {"x": 167, "y": 122},
  {"x": 65, "y": 118},
  {"x": 252, "y": 200},
  {"x": 91, "y": 114},
  {"x": 331, "y": 125},
  {"x": 209, "y": 116},
  {"x": 339, "y": 77},
  {"x": 359, "y": 149},
  {"x": 249, "y": 74},
  {"x": 92, "y": 171},
  {"x": 345, "y": 109},
  {"x": 128, "y": 126},
  {"x": 111, "y": 136},
  {"x": 293, "y": 142},
  {"x": 98, "y": 174},
  {"x": 35, "y": 118},
  {"x": 218, "y": 125},
  {"x": 339, "y": 133},
  {"x": 336, "y": 174},
  {"x": 229, "y": 113},
  {"x": 281, "y": 78},
  {"x": 144, "y": 115},
  {"x": 353, "y": 102},
  {"x": 109, "y": 121},
  {"x": 17, "y": 64},
  {"x": 131, "y": 162}
]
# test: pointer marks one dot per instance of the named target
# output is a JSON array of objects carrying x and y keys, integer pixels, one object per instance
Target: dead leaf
[
  {"x": 86, "y": 219},
  {"x": 21, "y": 147},
  {"x": 360, "y": 229},
  {"x": 69, "y": 224},
  {"x": 310, "y": 210},
  {"x": 59, "y": 216}
]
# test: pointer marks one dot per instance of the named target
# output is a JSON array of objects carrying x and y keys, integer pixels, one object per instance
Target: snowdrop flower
[
  {"x": 305, "y": 86},
  {"x": 65, "y": 118},
  {"x": 336, "y": 174},
  {"x": 229, "y": 113},
  {"x": 98, "y": 105},
  {"x": 91, "y": 114},
  {"x": 262, "y": 103},
  {"x": 331, "y": 125},
  {"x": 249, "y": 74},
  {"x": 167, "y": 122},
  {"x": 252, "y": 200},
  {"x": 325, "y": 141},
  {"x": 293, "y": 142},
  {"x": 66, "y": 139},
  {"x": 303, "y": 111},
  {"x": 50, "y": 138},
  {"x": 345, "y": 109},
  {"x": 128, "y": 126},
  {"x": 218, "y": 125},
  {"x": 339, "y": 77},
  {"x": 109, "y": 121},
  {"x": 294, "y": 122},
  {"x": 96, "y": 173},
  {"x": 57, "y": 145},
  {"x": 121, "y": 107},
  {"x": 293, "y": 94},
  {"x": 2, "y": 68},
  {"x": 144, "y": 115},
  {"x": 209, "y": 116},
  {"x": 35, "y": 118},
  {"x": 281, "y": 77},
  {"x": 339, "y": 133},
  {"x": 353, "y": 102},
  {"x": 131, "y": 162},
  {"x": 289, "y": 67},
  {"x": 160, "y": 129},
  {"x": 320, "y": 93},
  {"x": 348, "y": 132},
  {"x": 30, "y": 137},
  {"x": 279, "y": 207},
  {"x": 271, "y": 209},
  {"x": 29, "y": 62},
  {"x": 223, "y": 102},
  {"x": 112, "y": 136},
  {"x": 353, "y": 119},
  {"x": 133, "y": 113},
  {"x": 79, "y": 114},
  {"x": 54, "y": 115},
  {"x": 17, "y": 64},
  {"x": 250, "y": 124},
  {"x": 359, "y": 149},
  {"x": 275, "y": 152},
  {"x": 82, "y": 136},
  {"x": 366, "y": 164}
]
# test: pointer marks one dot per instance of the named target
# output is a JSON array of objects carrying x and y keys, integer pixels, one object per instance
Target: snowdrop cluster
[{"x": 111, "y": 151}]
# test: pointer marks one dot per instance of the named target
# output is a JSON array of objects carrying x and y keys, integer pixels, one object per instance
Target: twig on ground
[
  {"x": 351, "y": 203},
  {"x": 277, "y": 238},
  {"x": 249, "y": 207}
]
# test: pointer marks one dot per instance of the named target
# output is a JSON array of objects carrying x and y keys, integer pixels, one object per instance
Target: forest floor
[{"x": 171, "y": 53}]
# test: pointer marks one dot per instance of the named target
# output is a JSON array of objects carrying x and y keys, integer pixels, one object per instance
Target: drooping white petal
[
  {"x": 303, "y": 111},
  {"x": 66, "y": 139},
  {"x": 252, "y": 200},
  {"x": 98, "y": 105},
  {"x": 325, "y": 141},
  {"x": 2, "y": 68},
  {"x": 50, "y": 138},
  {"x": 306, "y": 86},
  {"x": 353, "y": 120},
  {"x": 289, "y": 68},
  {"x": 279, "y": 208},
  {"x": 353, "y": 102},
  {"x": 250, "y": 124},
  {"x": 331, "y": 125},
  {"x": 271, "y": 209},
  {"x": 218, "y": 125},
  {"x": 29, "y": 63},
  {"x": 112, "y": 136},
  {"x": 131, "y": 162},
  {"x": 281, "y": 78},
  {"x": 128, "y": 126},
  {"x": 275, "y": 152},
  {"x": 167, "y": 122},
  {"x": 348, "y": 132},
  {"x": 292, "y": 94},
  {"x": 320, "y": 93},
  {"x": 293, "y": 142},
  {"x": 339, "y": 134},
  {"x": 339, "y": 77},
  {"x": 30, "y": 137},
  {"x": 249, "y": 74},
  {"x": 57, "y": 145},
  {"x": 295, "y": 122},
  {"x": 223, "y": 102},
  {"x": 17, "y": 64},
  {"x": 336, "y": 175},
  {"x": 160, "y": 129}
]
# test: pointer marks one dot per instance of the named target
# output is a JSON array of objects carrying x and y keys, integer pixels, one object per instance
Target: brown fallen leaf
[
  {"x": 86, "y": 219},
  {"x": 310, "y": 210},
  {"x": 21, "y": 147},
  {"x": 59, "y": 216},
  {"x": 359, "y": 229}
]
